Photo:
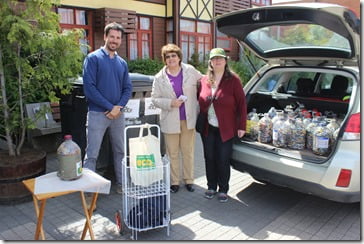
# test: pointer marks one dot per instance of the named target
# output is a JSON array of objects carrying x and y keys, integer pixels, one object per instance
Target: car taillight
[
  {"x": 352, "y": 129},
  {"x": 344, "y": 178}
]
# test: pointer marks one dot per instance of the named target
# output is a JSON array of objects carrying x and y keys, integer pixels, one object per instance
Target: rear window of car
[{"x": 277, "y": 37}]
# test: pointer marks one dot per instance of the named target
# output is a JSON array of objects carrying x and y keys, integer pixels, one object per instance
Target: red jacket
[{"x": 229, "y": 104}]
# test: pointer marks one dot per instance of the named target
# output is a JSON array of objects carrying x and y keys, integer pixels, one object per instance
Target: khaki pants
[{"x": 183, "y": 142}]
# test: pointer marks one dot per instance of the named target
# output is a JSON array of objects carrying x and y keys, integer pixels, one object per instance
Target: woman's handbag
[
  {"x": 201, "y": 122},
  {"x": 146, "y": 165},
  {"x": 202, "y": 119}
]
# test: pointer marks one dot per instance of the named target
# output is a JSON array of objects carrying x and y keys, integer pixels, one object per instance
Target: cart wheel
[{"x": 119, "y": 221}]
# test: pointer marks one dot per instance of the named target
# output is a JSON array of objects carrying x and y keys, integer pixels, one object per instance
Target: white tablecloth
[{"x": 88, "y": 182}]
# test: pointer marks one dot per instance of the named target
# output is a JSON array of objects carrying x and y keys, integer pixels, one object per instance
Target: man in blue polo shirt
[{"x": 107, "y": 87}]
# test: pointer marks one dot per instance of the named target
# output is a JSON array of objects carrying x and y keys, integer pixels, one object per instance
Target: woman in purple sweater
[{"x": 174, "y": 92}]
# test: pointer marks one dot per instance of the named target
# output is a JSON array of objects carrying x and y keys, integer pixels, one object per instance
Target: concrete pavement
[{"x": 254, "y": 212}]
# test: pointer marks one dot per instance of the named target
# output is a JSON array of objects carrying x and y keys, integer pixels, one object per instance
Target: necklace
[{"x": 214, "y": 84}]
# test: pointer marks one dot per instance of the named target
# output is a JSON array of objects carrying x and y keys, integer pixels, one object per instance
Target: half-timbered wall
[
  {"x": 223, "y": 6},
  {"x": 104, "y": 16},
  {"x": 159, "y": 36}
]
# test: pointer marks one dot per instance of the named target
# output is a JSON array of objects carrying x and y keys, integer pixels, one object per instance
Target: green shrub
[
  {"x": 195, "y": 62},
  {"x": 243, "y": 68},
  {"x": 145, "y": 66}
]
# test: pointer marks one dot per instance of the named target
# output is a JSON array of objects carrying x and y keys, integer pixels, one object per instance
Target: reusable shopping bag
[{"x": 146, "y": 165}]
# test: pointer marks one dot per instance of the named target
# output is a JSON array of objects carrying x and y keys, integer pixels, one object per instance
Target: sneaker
[
  {"x": 209, "y": 194},
  {"x": 119, "y": 189},
  {"x": 223, "y": 197},
  {"x": 174, "y": 188},
  {"x": 88, "y": 198}
]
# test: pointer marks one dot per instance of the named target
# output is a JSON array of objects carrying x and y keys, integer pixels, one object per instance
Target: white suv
[{"x": 312, "y": 63}]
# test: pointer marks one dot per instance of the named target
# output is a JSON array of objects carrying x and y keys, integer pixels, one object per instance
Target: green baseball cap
[{"x": 217, "y": 52}]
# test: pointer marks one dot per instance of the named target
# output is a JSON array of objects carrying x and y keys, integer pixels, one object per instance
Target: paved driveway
[{"x": 254, "y": 212}]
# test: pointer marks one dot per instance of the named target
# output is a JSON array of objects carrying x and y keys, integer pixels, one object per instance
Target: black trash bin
[
  {"x": 74, "y": 112},
  {"x": 73, "y": 109}
]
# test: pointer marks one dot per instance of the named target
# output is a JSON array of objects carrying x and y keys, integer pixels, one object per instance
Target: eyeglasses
[{"x": 171, "y": 56}]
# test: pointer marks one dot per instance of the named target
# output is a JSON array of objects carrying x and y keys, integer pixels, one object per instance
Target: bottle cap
[{"x": 68, "y": 137}]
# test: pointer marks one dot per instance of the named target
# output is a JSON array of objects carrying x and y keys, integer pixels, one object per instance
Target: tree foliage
[
  {"x": 247, "y": 66},
  {"x": 197, "y": 63},
  {"x": 36, "y": 61}
]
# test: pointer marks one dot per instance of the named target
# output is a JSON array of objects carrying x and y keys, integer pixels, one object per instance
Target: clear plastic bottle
[
  {"x": 332, "y": 126},
  {"x": 288, "y": 110},
  {"x": 321, "y": 140},
  {"x": 278, "y": 135},
  {"x": 265, "y": 129},
  {"x": 306, "y": 118},
  {"x": 309, "y": 131},
  {"x": 69, "y": 159},
  {"x": 297, "y": 139},
  {"x": 276, "y": 117},
  {"x": 272, "y": 112},
  {"x": 335, "y": 134},
  {"x": 298, "y": 111},
  {"x": 287, "y": 127},
  {"x": 249, "y": 121},
  {"x": 254, "y": 127}
]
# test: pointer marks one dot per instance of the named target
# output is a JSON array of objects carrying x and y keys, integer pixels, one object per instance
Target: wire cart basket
[{"x": 144, "y": 207}]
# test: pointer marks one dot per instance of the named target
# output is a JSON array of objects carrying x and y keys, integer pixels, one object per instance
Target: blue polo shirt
[{"x": 106, "y": 81}]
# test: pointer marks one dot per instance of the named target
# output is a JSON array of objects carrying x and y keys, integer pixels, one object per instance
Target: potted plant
[{"x": 37, "y": 60}]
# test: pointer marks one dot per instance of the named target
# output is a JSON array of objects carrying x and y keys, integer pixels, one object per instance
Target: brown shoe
[
  {"x": 174, "y": 188},
  {"x": 190, "y": 188}
]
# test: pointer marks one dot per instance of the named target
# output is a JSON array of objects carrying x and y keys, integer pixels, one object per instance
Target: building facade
[{"x": 150, "y": 24}]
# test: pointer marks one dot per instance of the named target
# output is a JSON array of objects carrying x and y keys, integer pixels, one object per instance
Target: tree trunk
[
  {"x": 4, "y": 102},
  {"x": 21, "y": 105}
]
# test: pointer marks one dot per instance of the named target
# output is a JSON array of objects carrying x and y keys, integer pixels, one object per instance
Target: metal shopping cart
[{"x": 146, "y": 194}]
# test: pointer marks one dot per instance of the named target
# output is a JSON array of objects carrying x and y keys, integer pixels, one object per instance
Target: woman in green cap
[{"x": 222, "y": 98}]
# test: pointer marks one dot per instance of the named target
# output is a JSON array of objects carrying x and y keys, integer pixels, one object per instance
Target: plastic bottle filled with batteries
[
  {"x": 332, "y": 126},
  {"x": 310, "y": 129},
  {"x": 321, "y": 140},
  {"x": 279, "y": 135},
  {"x": 252, "y": 125},
  {"x": 297, "y": 139},
  {"x": 265, "y": 129}
]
